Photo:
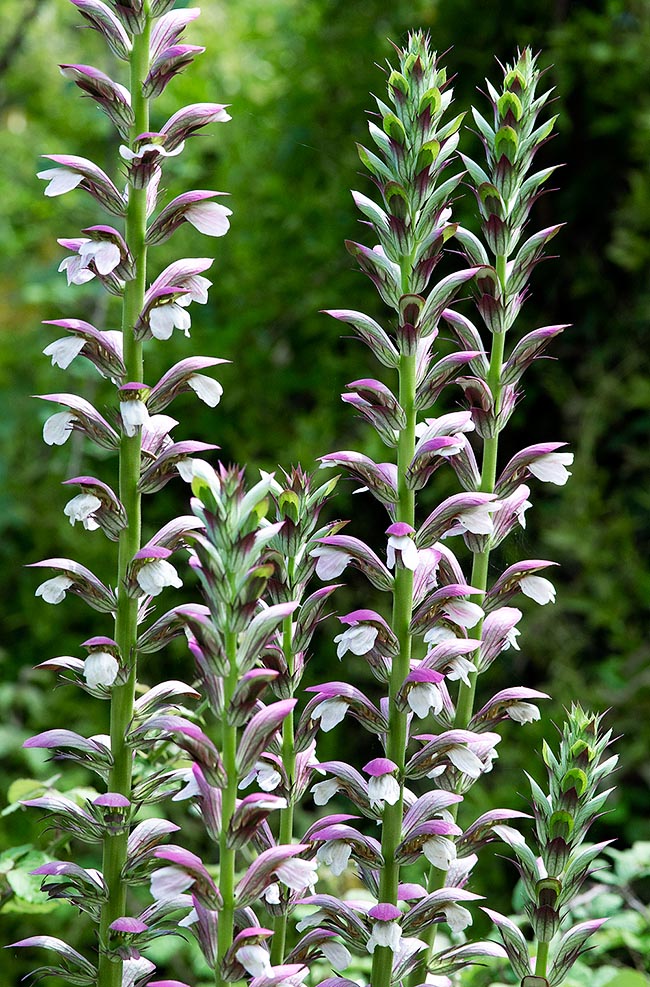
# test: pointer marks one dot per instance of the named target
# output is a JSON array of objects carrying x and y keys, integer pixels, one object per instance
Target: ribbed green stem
[
  {"x": 114, "y": 849},
  {"x": 228, "y": 804},
  {"x": 479, "y": 580},
  {"x": 397, "y": 723},
  {"x": 278, "y": 943}
]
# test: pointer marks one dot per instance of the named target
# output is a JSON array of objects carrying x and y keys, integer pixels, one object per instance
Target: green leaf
[
  {"x": 510, "y": 102},
  {"x": 432, "y": 99},
  {"x": 394, "y": 127}
]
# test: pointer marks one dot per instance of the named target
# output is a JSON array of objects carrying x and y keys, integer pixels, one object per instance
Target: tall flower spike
[{"x": 148, "y": 37}]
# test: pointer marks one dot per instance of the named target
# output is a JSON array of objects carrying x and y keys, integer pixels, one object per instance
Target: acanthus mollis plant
[
  {"x": 554, "y": 864},
  {"x": 444, "y": 627},
  {"x": 251, "y": 641},
  {"x": 146, "y": 35}
]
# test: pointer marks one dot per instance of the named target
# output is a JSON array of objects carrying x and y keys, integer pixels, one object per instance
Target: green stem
[
  {"x": 397, "y": 737},
  {"x": 226, "y": 926},
  {"x": 278, "y": 943},
  {"x": 541, "y": 960},
  {"x": 114, "y": 847},
  {"x": 479, "y": 580}
]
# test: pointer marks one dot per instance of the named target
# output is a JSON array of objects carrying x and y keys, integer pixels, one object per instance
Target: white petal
[
  {"x": 63, "y": 351},
  {"x": 206, "y": 388},
  {"x": 134, "y": 414},
  {"x": 54, "y": 590},
  {"x": 154, "y": 576},
  {"x": 336, "y": 954},
  {"x": 458, "y": 918},
  {"x": 463, "y": 612},
  {"x": 272, "y": 894},
  {"x": 552, "y": 467},
  {"x": 330, "y": 563},
  {"x": 297, "y": 874},
  {"x": 60, "y": 180},
  {"x": 423, "y": 697},
  {"x": 437, "y": 635},
  {"x": 254, "y": 959},
  {"x": 523, "y": 712},
  {"x": 335, "y": 855},
  {"x": 167, "y": 882},
  {"x": 267, "y": 777},
  {"x": 162, "y": 321},
  {"x": 81, "y": 508},
  {"x": 385, "y": 934},
  {"x": 385, "y": 788},
  {"x": 466, "y": 761},
  {"x": 330, "y": 713},
  {"x": 439, "y": 851},
  {"x": 210, "y": 218},
  {"x": 478, "y": 519},
  {"x": 57, "y": 429},
  {"x": 359, "y": 640},
  {"x": 540, "y": 590},
  {"x": 323, "y": 791},
  {"x": 105, "y": 254},
  {"x": 100, "y": 668}
]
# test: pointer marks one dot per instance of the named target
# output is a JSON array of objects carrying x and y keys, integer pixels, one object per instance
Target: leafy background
[{"x": 297, "y": 76}]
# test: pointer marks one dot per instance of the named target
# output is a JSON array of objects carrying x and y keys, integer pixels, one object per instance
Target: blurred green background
[{"x": 297, "y": 74}]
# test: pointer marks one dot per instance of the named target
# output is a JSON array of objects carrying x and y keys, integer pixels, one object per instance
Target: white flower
[
  {"x": 206, "y": 388},
  {"x": 459, "y": 668},
  {"x": 330, "y": 562},
  {"x": 523, "y": 712},
  {"x": 384, "y": 934},
  {"x": 552, "y": 467},
  {"x": 511, "y": 639},
  {"x": 383, "y": 788},
  {"x": 405, "y": 545},
  {"x": 296, "y": 873},
  {"x": 163, "y": 319},
  {"x": 439, "y": 851},
  {"x": 63, "y": 351},
  {"x": 190, "y": 919},
  {"x": 254, "y": 959},
  {"x": 81, "y": 508},
  {"x": 60, "y": 180},
  {"x": 100, "y": 668},
  {"x": 57, "y": 429},
  {"x": 438, "y": 635},
  {"x": 168, "y": 882},
  {"x": 540, "y": 590},
  {"x": 54, "y": 590},
  {"x": 358, "y": 639},
  {"x": 458, "y": 918},
  {"x": 266, "y": 776},
  {"x": 330, "y": 712},
  {"x": 478, "y": 519},
  {"x": 334, "y": 855},
  {"x": 190, "y": 789},
  {"x": 76, "y": 271},
  {"x": 425, "y": 696},
  {"x": 463, "y": 612},
  {"x": 155, "y": 575},
  {"x": 323, "y": 791},
  {"x": 466, "y": 761},
  {"x": 104, "y": 253},
  {"x": 210, "y": 218},
  {"x": 272, "y": 894},
  {"x": 134, "y": 415}
]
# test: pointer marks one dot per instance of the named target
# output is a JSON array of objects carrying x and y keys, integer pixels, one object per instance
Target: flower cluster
[
  {"x": 148, "y": 38},
  {"x": 554, "y": 868}
]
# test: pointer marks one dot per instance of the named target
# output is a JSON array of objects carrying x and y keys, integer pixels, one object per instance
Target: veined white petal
[
  {"x": 439, "y": 851},
  {"x": 359, "y": 640},
  {"x": 54, "y": 590},
  {"x": 207, "y": 389},
  {"x": 425, "y": 696},
  {"x": 551, "y": 468},
  {"x": 210, "y": 218},
  {"x": 100, "y": 668},
  {"x": 134, "y": 415},
  {"x": 63, "y": 351},
  {"x": 478, "y": 519},
  {"x": 104, "y": 253},
  {"x": 60, "y": 180},
  {"x": 458, "y": 918},
  {"x": 437, "y": 635},
  {"x": 384, "y": 788},
  {"x": 167, "y": 882},
  {"x": 337, "y": 955},
  {"x": 466, "y": 761},
  {"x": 296, "y": 873},
  {"x": 267, "y": 777},
  {"x": 334, "y": 855},
  {"x": 330, "y": 712},
  {"x": 523, "y": 712},
  {"x": 538, "y": 588},
  {"x": 329, "y": 562},
  {"x": 57, "y": 429},
  {"x": 163, "y": 319},
  {"x": 384, "y": 934},
  {"x": 463, "y": 612},
  {"x": 255, "y": 959},
  {"x": 154, "y": 576}
]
